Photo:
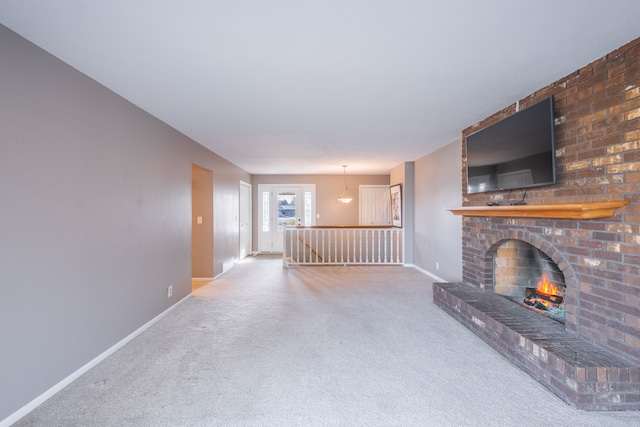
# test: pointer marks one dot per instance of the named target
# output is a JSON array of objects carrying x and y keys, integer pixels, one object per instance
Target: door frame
[
  {"x": 202, "y": 227},
  {"x": 305, "y": 210},
  {"x": 245, "y": 222}
]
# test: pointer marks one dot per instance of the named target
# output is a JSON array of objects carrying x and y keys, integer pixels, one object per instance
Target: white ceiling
[{"x": 295, "y": 86}]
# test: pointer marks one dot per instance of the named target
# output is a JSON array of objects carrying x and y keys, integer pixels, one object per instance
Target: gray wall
[
  {"x": 404, "y": 174},
  {"x": 437, "y": 232},
  {"x": 95, "y": 219}
]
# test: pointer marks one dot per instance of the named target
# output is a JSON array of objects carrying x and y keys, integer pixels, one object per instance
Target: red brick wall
[{"x": 597, "y": 110}]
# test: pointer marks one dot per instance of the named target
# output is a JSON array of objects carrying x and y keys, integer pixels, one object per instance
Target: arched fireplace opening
[{"x": 528, "y": 276}]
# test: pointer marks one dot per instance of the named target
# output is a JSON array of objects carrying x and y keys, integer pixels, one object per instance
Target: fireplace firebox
[{"x": 528, "y": 276}]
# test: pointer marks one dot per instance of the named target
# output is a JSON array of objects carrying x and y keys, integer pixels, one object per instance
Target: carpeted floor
[{"x": 317, "y": 346}]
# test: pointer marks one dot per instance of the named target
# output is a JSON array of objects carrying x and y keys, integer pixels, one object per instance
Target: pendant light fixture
[{"x": 344, "y": 197}]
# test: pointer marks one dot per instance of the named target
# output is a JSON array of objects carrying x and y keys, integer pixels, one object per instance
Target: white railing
[{"x": 342, "y": 246}]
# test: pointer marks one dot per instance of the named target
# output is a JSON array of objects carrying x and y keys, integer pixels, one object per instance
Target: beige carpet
[{"x": 316, "y": 346}]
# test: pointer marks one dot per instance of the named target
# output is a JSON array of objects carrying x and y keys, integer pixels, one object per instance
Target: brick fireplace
[{"x": 591, "y": 358}]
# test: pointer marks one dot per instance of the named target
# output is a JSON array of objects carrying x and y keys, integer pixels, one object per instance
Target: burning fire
[
  {"x": 546, "y": 296},
  {"x": 546, "y": 287}
]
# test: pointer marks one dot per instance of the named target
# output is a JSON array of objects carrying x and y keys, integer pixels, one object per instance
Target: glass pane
[
  {"x": 307, "y": 209},
  {"x": 265, "y": 211},
  {"x": 286, "y": 209}
]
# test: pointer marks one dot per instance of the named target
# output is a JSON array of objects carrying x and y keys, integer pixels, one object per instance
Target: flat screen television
[{"x": 516, "y": 152}]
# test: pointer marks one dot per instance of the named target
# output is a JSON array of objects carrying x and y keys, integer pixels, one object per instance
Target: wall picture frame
[{"x": 396, "y": 205}]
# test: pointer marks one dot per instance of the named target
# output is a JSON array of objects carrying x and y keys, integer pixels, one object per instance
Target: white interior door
[
  {"x": 375, "y": 205},
  {"x": 245, "y": 219}
]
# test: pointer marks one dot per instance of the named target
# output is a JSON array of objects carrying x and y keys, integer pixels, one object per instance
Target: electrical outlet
[
  {"x": 169, "y": 291},
  {"x": 437, "y": 265}
]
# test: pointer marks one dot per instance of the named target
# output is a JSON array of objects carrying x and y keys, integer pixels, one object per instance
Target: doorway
[
  {"x": 281, "y": 206},
  {"x": 201, "y": 225}
]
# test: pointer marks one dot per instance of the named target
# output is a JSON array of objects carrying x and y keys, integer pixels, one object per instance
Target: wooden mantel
[{"x": 567, "y": 211}]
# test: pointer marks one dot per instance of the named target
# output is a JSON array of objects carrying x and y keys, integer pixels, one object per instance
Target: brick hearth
[{"x": 578, "y": 372}]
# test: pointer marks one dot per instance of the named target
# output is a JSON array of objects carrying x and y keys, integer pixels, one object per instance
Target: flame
[{"x": 546, "y": 287}]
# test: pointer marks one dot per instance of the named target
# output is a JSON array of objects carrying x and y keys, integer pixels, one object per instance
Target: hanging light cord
[
  {"x": 344, "y": 198},
  {"x": 344, "y": 177}
]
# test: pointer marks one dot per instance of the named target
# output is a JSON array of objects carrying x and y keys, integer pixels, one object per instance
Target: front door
[
  {"x": 288, "y": 211},
  {"x": 280, "y": 206}
]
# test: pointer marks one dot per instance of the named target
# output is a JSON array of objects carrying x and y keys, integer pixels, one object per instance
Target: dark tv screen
[{"x": 517, "y": 152}]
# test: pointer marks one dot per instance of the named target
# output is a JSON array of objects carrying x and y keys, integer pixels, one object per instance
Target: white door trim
[{"x": 244, "y": 221}]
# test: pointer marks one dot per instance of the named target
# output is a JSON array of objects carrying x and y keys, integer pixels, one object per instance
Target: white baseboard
[
  {"x": 74, "y": 376},
  {"x": 423, "y": 271},
  {"x": 226, "y": 266},
  {"x": 229, "y": 264}
]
